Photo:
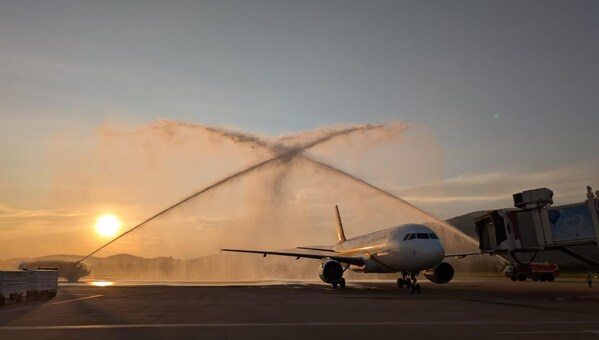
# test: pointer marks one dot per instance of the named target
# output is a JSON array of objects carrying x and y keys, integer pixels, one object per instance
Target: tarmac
[{"x": 467, "y": 309}]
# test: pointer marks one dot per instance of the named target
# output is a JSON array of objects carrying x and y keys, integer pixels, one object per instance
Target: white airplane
[{"x": 407, "y": 249}]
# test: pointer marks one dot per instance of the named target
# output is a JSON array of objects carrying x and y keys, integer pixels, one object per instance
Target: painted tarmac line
[
  {"x": 289, "y": 324},
  {"x": 49, "y": 304},
  {"x": 73, "y": 300}
]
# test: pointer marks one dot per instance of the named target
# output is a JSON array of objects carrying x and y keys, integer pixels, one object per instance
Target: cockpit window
[
  {"x": 406, "y": 237},
  {"x": 412, "y": 236},
  {"x": 433, "y": 236},
  {"x": 422, "y": 235}
]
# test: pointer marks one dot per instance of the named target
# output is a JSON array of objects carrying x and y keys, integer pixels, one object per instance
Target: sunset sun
[{"x": 108, "y": 225}]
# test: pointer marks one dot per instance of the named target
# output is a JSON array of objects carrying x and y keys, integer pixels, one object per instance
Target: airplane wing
[
  {"x": 318, "y": 248},
  {"x": 462, "y": 255},
  {"x": 355, "y": 260}
]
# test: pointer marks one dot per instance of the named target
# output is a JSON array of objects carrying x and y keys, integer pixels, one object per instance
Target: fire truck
[{"x": 536, "y": 271}]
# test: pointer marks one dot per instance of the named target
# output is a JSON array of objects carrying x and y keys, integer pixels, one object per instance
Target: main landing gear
[
  {"x": 341, "y": 283},
  {"x": 409, "y": 282}
]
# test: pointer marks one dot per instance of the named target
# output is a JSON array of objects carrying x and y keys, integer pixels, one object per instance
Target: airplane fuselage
[
  {"x": 408, "y": 249},
  {"x": 405, "y": 248}
]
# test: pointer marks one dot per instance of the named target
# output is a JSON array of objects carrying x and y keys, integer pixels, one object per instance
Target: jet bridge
[{"x": 535, "y": 225}]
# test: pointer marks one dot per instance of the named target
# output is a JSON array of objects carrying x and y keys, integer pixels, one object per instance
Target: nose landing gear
[
  {"x": 341, "y": 283},
  {"x": 401, "y": 282},
  {"x": 409, "y": 282}
]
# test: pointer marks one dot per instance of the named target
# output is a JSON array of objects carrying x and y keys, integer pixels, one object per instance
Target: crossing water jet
[
  {"x": 362, "y": 182},
  {"x": 284, "y": 150},
  {"x": 285, "y": 153},
  {"x": 292, "y": 146}
]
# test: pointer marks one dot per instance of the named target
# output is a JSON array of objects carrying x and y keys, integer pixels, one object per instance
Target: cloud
[
  {"x": 474, "y": 191},
  {"x": 7, "y": 213},
  {"x": 211, "y": 222}
]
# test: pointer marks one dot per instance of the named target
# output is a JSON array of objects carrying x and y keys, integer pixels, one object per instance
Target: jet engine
[
  {"x": 442, "y": 273},
  {"x": 331, "y": 271}
]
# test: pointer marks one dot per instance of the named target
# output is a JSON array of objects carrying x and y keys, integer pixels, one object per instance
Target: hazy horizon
[{"x": 104, "y": 108}]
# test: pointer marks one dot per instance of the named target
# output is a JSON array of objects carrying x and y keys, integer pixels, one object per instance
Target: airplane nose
[
  {"x": 425, "y": 257},
  {"x": 440, "y": 251},
  {"x": 436, "y": 253}
]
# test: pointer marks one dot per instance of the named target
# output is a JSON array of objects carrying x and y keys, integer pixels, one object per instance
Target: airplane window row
[{"x": 420, "y": 236}]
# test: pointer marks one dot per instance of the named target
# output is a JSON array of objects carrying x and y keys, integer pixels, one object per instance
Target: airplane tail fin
[{"x": 340, "y": 233}]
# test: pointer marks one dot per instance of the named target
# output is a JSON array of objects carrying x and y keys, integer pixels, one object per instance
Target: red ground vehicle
[{"x": 543, "y": 271}]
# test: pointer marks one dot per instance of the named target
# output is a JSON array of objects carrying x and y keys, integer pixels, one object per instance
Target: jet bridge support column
[
  {"x": 539, "y": 228},
  {"x": 593, "y": 205}
]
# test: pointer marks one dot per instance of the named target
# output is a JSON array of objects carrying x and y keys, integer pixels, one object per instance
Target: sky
[{"x": 503, "y": 95}]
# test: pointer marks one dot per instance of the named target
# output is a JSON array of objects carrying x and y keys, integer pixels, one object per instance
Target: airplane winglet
[{"x": 340, "y": 233}]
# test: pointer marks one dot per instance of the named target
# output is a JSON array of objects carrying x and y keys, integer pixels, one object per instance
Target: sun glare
[{"x": 108, "y": 225}]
